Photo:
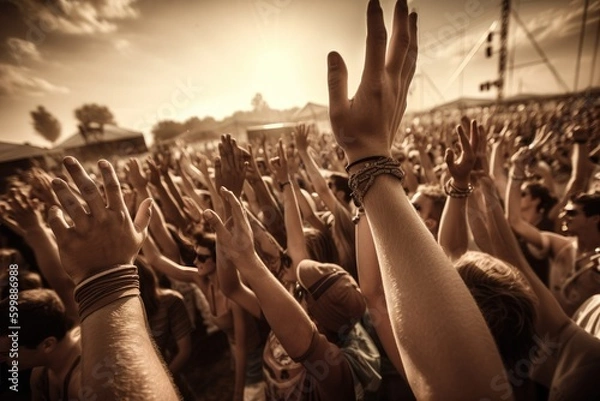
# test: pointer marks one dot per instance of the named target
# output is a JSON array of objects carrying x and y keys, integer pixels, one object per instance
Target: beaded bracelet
[
  {"x": 454, "y": 192},
  {"x": 362, "y": 180},
  {"x": 105, "y": 288},
  {"x": 359, "y": 212}
]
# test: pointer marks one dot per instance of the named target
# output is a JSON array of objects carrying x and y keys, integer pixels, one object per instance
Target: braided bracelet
[
  {"x": 361, "y": 181},
  {"x": 105, "y": 288},
  {"x": 454, "y": 192}
]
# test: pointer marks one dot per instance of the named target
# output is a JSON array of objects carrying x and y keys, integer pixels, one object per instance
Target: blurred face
[
  {"x": 204, "y": 261},
  {"x": 425, "y": 207},
  {"x": 527, "y": 201},
  {"x": 573, "y": 221},
  {"x": 28, "y": 358}
]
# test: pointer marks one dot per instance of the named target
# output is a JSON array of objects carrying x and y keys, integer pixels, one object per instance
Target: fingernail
[
  {"x": 207, "y": 215},
  {"x": 103, "y": 164},
  {"x": 70, "y": 161},
  {"x": 57, "y": 181}
]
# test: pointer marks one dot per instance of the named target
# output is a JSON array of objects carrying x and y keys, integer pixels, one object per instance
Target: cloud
[
  {"x": 18, "y": 80},
  {"x": 75, "y": 17},
  {"x": 122, "y": 45},
  {"x": 23, "y": 50}
]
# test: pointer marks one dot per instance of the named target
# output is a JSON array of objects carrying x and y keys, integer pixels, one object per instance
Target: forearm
[
  {"x": 273, "y": 216},
  {"x": 125, "y": 353},
  {"x": 171, "y": 211},
  {"x": 426, "y": 278},
  {"x": 296, "y": 244},
  {"x": 369, "y": 279},
  {"x": 453, "y": 234},
  {"x": 48, "y": 262},
  {"x": 184, "y": 348},
  {"x": 477, "y": 221},
  {"x": 279, "y": 308},
  {"x": 173, "y": 190}
]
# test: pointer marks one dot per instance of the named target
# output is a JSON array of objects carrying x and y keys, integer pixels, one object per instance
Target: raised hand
[
  {"x": 300, "y": 137},
  {"x": 234, "y": 242},
  {"x": 233, "y": 165},
  {"x": 104, "y": 237},
  {"x": 24, "y": 212},
  {"x": 460, "y": 168},
  {"x": 134, "y": 174},
  {"x": 279, "y": 164},
  {"x": 154, "y": 175},
  {"x": 366, "y": 124}
]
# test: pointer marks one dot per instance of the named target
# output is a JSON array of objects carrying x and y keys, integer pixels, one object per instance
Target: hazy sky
[{"x": 156, "y": 59}]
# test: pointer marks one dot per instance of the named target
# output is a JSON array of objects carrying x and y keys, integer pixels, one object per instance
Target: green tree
[{"x": 45, "y": 124}]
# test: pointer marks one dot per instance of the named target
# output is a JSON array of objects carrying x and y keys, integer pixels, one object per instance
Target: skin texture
[
  {"x": 123, "y": 362},
  {"x": 365, "y": 126}
]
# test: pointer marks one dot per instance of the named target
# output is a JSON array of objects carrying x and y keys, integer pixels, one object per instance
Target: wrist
[
  {"x": 461, "y": 183},
  {"x": 356, "y": 163}
]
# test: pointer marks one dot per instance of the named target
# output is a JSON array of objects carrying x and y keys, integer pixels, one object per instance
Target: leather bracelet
[
  {"x": 105, "y": 288},
  {"x": 364, "y": 160}
]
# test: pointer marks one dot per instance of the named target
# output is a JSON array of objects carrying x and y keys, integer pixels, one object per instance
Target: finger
[
  {"x": 87, "y": 187},
  {"x": 337, "y": 81},
  {"x": 112, "y": 187},
  {"x": 71, "y": 204},
  {"x": 474, "y": 135},
  {"x": 143, "y": 216},
  {"x": 57, "y": 223},
  {"x": 400, "y": 40},
  {"x": 216, "y": 224},
  {"x": 465, "y": 123},
  {"x": 237, "y": 211},
  {"x": 449, "y": 158},
  {"x": 464, "y": 140},
  {"x": 376, "y": 45}
]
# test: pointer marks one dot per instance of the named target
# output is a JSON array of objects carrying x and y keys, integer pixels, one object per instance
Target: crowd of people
[{"x": 434, "y": 258}]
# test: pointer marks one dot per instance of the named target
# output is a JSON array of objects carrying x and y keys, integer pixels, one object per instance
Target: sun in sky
[{"x": 155, "y": 60}]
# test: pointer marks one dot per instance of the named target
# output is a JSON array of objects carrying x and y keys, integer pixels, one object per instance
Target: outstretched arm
[
  {"x": 453, "y": 235},
  {"x": 98, "y": 241},
  {"x": 42, "y": 241},
  {"x": 278, "y": 306},
  {"x": 426, "y": 276}
]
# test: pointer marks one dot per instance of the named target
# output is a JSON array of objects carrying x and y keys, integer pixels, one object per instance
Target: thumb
[
  {"x": 215, "y": 222},
  {"x": 143, "y": 215}
]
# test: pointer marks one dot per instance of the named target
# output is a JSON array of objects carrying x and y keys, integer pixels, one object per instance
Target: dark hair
[
  {"x": 321, "y": 246},
  {"x": 506, "y": 302},
  {"x": 28, "y": 280},
  {"x": 541, "y": 192},
  {"x": 341, "y": 184},
  {"x": 590, "y": 203},
  {"x": 206, "y": 240},
  {"x": 436, "y": 193},
  {"x": 41, "y": 315}
]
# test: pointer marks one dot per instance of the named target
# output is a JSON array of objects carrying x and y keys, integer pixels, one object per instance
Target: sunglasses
[{"x": 202, "y": 258}]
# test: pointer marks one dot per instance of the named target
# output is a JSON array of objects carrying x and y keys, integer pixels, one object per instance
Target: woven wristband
[
  {"x": 454, "y": 192},
  {"x": 105, "y": 288},
  {"x": 361, "y": 181}
]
